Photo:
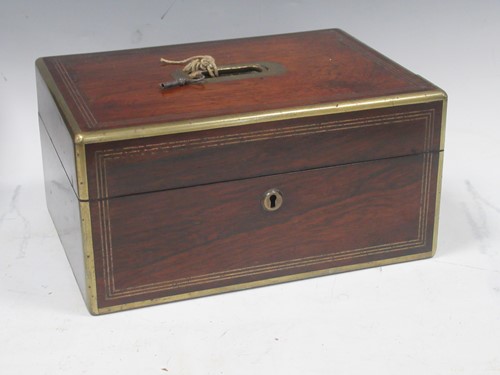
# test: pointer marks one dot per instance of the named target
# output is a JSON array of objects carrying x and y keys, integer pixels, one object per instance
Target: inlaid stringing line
[
  {"x": 166, "y": 146},
  {"x": 270, "y": 133},
  {"x": 80, "y": 102},
  {"x": 246, "y": 271},
  {"x": 110, "y": 233},
  {"x": 267, "y": 268},
  {"x": 105, "y": 236},
  {"x": 127, "y": 292},
  {"x": 427, "y": 172},
  {"x": 102, "y": 221},
  {"x": 407, "y": 116},
  {"x": 283, "y": 265},
  {"x": 177, "y": 283},
  {"x": 423, "y": 185}
]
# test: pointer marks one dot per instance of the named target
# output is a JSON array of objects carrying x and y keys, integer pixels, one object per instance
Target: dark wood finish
[
  {"x": 190, "y": 159},
  {"x": 121, "y": 88},
  {"x": 203, "y": 237},
  {"x": 51, "y": 119},
  {"x": 182, "y": 213}
]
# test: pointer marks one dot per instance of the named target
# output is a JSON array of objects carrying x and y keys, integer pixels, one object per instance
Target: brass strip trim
[
  {"x": 88, "y": 252},
  {"x": 438, "y": 203},
  {"x": 81, "y": 171},
  {"x": 443, "y": 121},
  {"x": 254, "y": 284},
  {"x": 185, "y": 126},
  {"x": 439, "y": 176}
]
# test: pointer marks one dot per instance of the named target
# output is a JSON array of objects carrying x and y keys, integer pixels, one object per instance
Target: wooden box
[{"x": 310, "y": 154}]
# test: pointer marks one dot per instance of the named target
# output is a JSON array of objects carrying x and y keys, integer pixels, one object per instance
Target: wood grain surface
[
  {"x": 176, "y": 241},
  {"x": 121, "y": 88}
]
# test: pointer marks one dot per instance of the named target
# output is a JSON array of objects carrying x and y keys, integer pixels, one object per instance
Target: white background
[{"x": 438, "y": 316}]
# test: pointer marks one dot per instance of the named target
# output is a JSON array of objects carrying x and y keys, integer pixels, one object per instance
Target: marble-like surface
[{"x": 437, "y": 316}]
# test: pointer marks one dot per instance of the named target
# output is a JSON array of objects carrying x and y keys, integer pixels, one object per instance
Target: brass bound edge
[
  {"x": 439, "y": 178},
  {"x": 186, "y": 126},
  {"x": 88, "y": 250},
  {"x": 443, "y": 121},
  {"x": 438, "y": 203}
]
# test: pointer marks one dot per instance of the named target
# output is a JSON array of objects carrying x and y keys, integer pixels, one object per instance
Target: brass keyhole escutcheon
[{"x": 272, "y": 200}]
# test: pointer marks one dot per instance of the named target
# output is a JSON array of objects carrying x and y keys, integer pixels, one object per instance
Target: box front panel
[{"x": 165, "y": 244}]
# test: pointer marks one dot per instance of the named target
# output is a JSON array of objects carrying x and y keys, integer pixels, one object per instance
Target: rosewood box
[{"x": 310, "y": 154}]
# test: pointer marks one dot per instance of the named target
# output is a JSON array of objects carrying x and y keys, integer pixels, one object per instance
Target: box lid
[{"x": 116, "y": 95}]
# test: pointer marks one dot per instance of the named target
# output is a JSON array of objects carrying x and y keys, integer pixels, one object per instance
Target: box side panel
[
  {"x": 176, "y": 244},
  {"x": 57, "y": 130},
  {"x": 64, "y": 208},
  {"x": 181, "y": 160}
]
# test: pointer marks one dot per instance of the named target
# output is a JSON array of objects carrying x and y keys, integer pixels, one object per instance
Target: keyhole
[{"x": 272, "y": 198}]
